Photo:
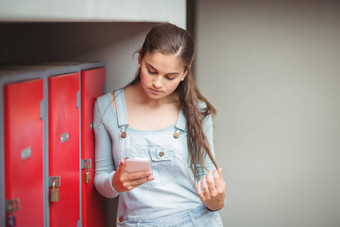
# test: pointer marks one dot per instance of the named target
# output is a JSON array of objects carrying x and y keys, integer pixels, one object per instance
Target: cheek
[
  {"x": 143, "y": 77},
  {"x": 173, "y": 86}
]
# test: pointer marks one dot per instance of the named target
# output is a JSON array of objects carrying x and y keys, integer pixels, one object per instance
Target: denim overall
[{"x": 171, "y": 198}]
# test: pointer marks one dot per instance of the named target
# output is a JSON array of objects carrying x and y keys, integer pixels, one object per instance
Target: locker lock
[
  {"x": 54, "y": 182},
  {"x": 54, "y": 193},
  {"x": 86, "y": 164},
  {"x": 12, "y": 206}
]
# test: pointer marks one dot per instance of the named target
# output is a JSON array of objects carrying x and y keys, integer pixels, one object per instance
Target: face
[{"x": 160, "y": 74}]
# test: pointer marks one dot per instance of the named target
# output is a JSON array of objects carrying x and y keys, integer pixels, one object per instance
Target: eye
[
  {"x": 170, "y": 77},
  {"x": 151, "y": 72}
]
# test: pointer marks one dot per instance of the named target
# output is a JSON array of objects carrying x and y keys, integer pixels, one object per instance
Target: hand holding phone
[
  {"x": 137, "y": 165},
  {"x": 123, "y": 180}
]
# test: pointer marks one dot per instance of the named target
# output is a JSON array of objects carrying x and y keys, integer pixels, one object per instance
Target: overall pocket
[{"x": 163, "y": 164}]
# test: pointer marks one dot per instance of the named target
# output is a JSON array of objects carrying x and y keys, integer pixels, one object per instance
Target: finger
[
  {"x": 217, "y": 178},
  {"x": 219, "y": 182},
  {"x": 138, "y": 175},
  {"x": 220, "y": 171},
  {"x": 222, "y": 185},
  {"x": 211, "y": 184},
  {"x": 140, "y": 181},
  {"x": 151, "y": 178},
  {"x": 221, "y": 177},
  {"x": 199, "y": 191},
  {"x": 205, "y": 187}
]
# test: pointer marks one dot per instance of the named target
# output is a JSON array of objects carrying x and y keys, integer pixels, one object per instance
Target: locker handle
[
  {"x": 55, "y": 179},
  {"x": 86, "y": 163},
  {"x": 12, "y": 205}
]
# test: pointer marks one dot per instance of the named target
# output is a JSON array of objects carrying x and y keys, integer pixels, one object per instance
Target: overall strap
[
  {"x": 121, "y": 111},
  {"x": 180, "y": 124}
]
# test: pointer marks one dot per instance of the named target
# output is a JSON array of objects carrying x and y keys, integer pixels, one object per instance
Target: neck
[{"x": 141, "y": 97}]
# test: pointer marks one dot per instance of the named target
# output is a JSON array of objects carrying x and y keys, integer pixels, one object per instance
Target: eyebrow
[{"x": 176, "y": 73}]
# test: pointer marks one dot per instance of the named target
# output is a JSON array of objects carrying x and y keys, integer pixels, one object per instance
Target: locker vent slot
[
  {"x": 64, "y": 137},
  {"x": 78, "y": 100},
  {"x": 42, "y": 110}
]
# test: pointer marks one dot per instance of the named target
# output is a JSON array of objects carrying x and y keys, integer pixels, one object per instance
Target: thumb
[{"x": 121, "y": 167}]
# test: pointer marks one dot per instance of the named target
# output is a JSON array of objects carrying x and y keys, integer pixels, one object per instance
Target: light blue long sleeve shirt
[{"x": 107, "y": 136}]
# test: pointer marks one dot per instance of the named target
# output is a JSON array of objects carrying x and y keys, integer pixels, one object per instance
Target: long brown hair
[{"x": 167, "y": 39}]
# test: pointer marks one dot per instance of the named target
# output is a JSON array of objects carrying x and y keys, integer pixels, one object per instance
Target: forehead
[{"x": 164, "y": 62}]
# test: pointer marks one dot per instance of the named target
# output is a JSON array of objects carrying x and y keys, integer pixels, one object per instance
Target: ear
[
  {"x": 186, "y": 72},
  {"x": 139, "y": 58}
]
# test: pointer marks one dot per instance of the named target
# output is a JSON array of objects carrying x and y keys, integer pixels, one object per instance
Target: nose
[{"x": 157, "y": 83}]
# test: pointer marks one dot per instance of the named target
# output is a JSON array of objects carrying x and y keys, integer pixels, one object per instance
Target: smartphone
[{"x": 137, "y": 164}]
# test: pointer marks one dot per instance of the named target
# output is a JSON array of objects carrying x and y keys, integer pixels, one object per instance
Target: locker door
[
  {"x": 64, "y": 148},
  {"x": 92, "y": 86},
  {"x": 24, "y": 150}
]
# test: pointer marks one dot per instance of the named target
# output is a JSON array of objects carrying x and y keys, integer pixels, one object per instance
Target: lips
[{"x": 153, "y": 91}]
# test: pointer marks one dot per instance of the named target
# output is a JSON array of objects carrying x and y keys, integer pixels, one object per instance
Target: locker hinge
[
  {"x": 78, "y": 100},
  {"x": 12, "y": 205},
  {"x": 85, "y": 163},
  {"x": 55, "y": 179}
]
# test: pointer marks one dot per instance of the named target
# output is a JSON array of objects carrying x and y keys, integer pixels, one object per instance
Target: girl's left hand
[{"x": 213, "y": 195}]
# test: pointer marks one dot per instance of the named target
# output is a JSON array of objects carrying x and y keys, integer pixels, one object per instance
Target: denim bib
[
  {"x": 171, "y": 198},
  {"x": 173, "y": 188}
]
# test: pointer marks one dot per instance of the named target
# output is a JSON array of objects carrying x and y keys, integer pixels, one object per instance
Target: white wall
[
  {"x": 271, "y": 68},
  {"x": 93, "y": 10}
]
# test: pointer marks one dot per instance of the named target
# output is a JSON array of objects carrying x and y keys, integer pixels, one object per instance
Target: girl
[{"x": 161, "y": 115}]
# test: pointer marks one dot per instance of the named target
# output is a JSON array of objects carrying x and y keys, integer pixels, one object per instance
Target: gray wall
[{"x": 271, "y": 68}]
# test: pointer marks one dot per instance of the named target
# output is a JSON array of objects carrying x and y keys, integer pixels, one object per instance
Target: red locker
[
  {"x": 92, "y": 86},
  {"x": 23, "y": 140},
  {"x": 64, "y": 148}
]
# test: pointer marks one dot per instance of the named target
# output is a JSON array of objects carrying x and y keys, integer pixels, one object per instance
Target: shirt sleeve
[
  {"x": 104, "y": 164},
  {"x": 208, "y": 131}
]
